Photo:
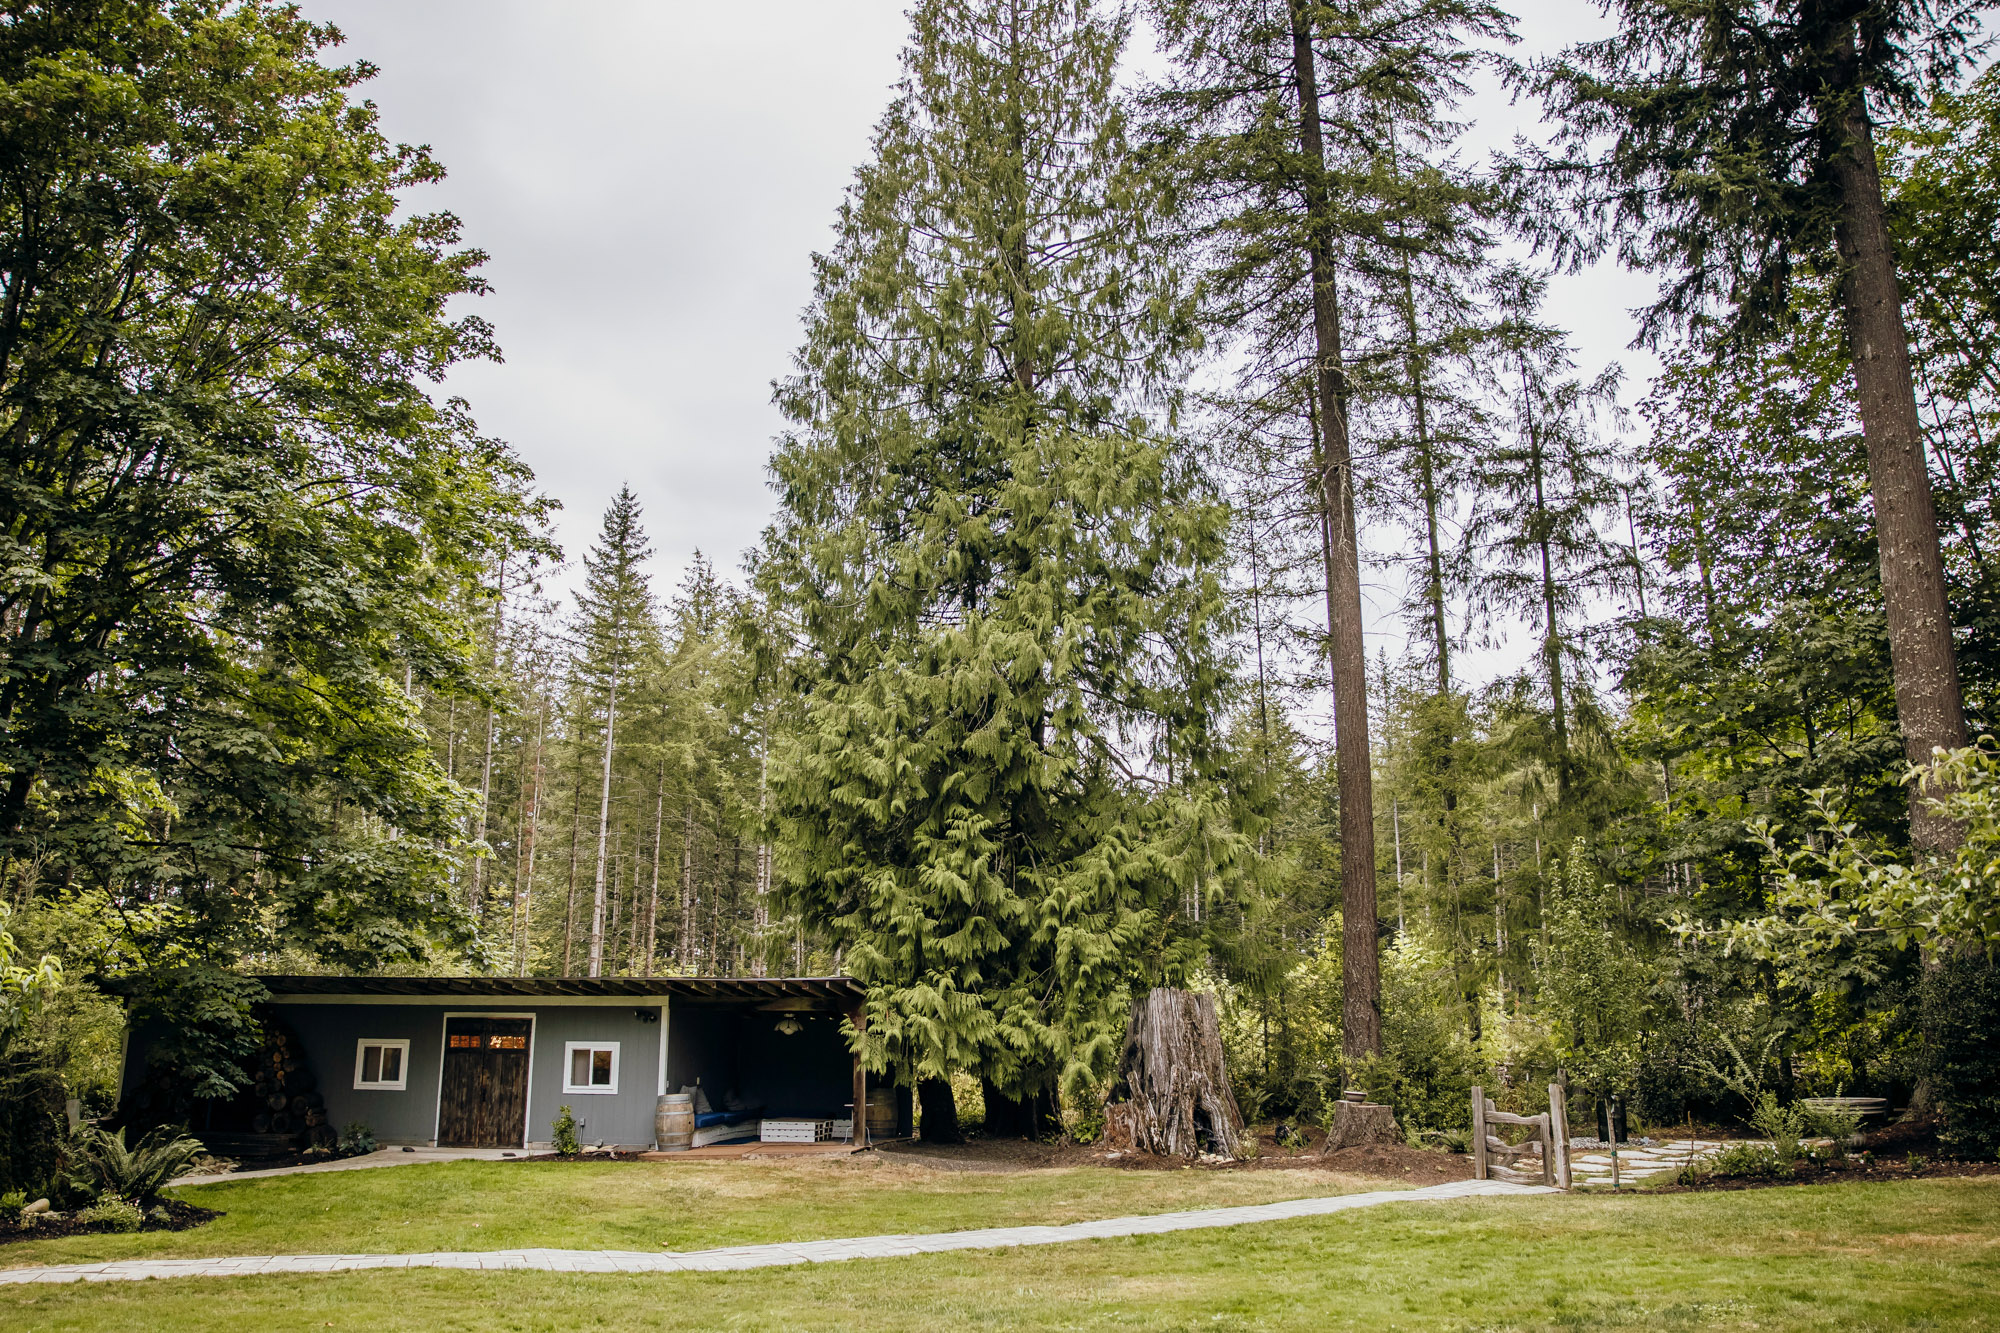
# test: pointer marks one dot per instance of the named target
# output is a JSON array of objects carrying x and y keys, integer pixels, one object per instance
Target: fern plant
[{"x": 103, "y": 1164}]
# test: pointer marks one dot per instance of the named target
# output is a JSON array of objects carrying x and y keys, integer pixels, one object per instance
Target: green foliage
[
  {"x": 23, "y": 990},
  {"x": 113, "y": 1212},
  {"x": 1783, "y": 1125},
  {"x": 1592, "y": 981},
  {"x": 562, "y": 1134},
  {"x": 235, "y": 519},
  {"x": 102, "y": 1164},
  {"x": 1960, "y": 999},
  {"x": 1702, "y": 135},
  {"x": 357, "y": 1140},
  {"x": 1842, "y": 900},
  {"x": 1750, "y": 1161},
  {"x": 11, "y": 1204},
  {"x": 997, "y": 572}
]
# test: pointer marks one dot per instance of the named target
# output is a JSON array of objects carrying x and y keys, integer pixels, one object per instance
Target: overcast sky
[{"x": 650, "y": 179}]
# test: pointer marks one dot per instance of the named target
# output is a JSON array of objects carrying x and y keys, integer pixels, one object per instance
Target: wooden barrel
[
  {"x": 673, "y": 1122},
  {"x": 881, "y": 1113}
]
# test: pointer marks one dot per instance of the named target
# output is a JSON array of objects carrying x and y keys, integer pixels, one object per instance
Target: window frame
[
  {"x": 570, "y": 1048},
  {"x": 401, "y": 1084}
]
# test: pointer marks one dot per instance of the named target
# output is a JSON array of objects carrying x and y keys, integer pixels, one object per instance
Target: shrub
[
  {"x": 1751, "y": 1161},
  {"x": 357, "y": 1140},
  {"x": 562, "y": 1135},
  {"x": 113, "y": 1212},
  {"x": 1960, "y": 1000},
  {"x": 1783, "y": 1125},
  {"x": 1839, "y": 1126},
  {"x": 11, "y": 1204},
  {"x": 104, "y": 1165}
]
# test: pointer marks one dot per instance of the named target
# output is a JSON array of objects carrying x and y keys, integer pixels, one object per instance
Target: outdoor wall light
[{"x": 788, "y": 1025}]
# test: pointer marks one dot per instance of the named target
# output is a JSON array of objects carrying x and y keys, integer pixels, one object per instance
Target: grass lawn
[
  {"x": 1918, "y": 1254},
  {"x": 656, "y": 1205}
]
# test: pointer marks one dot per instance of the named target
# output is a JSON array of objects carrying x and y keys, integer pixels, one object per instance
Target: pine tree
[
  {"x": 1731, "y": 145},
  {"x": 1543, "y": 494},
  {"x": 1000, "y": 573},
  {"x": 616, "y": 632},
  {"x": 1283, "y": 121}
]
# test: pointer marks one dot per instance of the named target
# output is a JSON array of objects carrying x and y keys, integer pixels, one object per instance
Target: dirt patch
[
  {"x": 1381, "y": 1161},
  {"x": 180, "y": 1217}
]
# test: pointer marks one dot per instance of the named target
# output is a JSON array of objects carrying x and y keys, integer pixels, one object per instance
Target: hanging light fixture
[{"x": 788, "y": 1025}]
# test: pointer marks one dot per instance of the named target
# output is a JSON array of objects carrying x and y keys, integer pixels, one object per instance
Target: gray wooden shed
[{"x": 487, "y": 1061}]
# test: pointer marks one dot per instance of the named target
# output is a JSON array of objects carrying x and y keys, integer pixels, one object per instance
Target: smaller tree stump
[{"x": 1356, "y": 1123}]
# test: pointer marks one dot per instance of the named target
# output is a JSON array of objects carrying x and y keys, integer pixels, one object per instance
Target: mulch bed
[
  {"x": 1849, "y": 1171},
  {"x": 588, "y": 1155},
  {"x": 1383, "y": 1161},
  {"x": 180, "y": 1217}
]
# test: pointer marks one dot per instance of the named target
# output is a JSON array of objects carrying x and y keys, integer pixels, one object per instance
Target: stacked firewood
[{"x": 286, "y": 1095}]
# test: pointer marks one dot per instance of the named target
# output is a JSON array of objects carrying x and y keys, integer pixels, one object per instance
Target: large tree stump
[
  {"x": 1172, "y": 1094},
  {"x": 1356, "y": 1123}
]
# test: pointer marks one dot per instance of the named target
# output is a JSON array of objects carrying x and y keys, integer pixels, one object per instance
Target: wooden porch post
[{"x": 859, "y": 1018}]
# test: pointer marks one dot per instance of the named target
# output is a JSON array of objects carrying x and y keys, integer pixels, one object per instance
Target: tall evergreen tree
[
  {"x": 616, "y": 631},
  {"x": 1000, "y": 573},
  {"x": 1731, "y": 143},
  {"x": 1544, "y": 490},
  {"x": 1283, "y": 119}
]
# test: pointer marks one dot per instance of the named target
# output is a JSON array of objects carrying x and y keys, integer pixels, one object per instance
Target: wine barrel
[
  {"x": 673, "y": 1122},
  {"x": 882, "y": 1113}
]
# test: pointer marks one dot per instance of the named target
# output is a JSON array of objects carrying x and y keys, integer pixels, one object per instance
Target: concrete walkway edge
[{"x": 758, "y": 1256}]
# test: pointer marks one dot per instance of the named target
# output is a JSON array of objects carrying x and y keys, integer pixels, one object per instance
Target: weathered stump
[
  {"x": 1356, "y": 1123},
  {"x": 1172, "y": 1093}
]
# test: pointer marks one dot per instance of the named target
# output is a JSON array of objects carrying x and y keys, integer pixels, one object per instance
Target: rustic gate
[{"x": 483, "y": 1102}]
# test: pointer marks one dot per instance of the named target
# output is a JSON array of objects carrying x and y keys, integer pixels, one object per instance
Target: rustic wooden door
[{"x": 484, "y": 1099}]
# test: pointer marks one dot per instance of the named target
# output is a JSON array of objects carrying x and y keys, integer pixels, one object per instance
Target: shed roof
[{"x": 838, "y": 993}]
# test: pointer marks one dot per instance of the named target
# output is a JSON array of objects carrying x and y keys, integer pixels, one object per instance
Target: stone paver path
[
  {"x": 756, "y": 1256},
  {"x": 1636, "y": 1162}
]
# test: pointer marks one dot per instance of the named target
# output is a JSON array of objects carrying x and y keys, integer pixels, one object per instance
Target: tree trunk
[
  {"x": 575, "y": 839},
  {"x": 1360, "y": 962},
  {"x": 1037, "y": 1116},
  {"x": 524, "y": 889},
  {"x": 1929, "y": 705},
  {"x": 1551, "y": 634},
  {"x": 653, "y": 896},
  {"x": 940, "y": 1111},
  {"x": 1171, "y": 1080},
  {"x": 603, "y": 829},
  {"x": 687, "y": 950}
]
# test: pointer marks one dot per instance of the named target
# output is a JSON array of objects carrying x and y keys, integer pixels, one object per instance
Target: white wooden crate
[{"x": 796, "y": 1131}]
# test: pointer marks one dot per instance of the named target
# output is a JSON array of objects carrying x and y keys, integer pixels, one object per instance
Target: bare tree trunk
[
  {"x": 1929, "y": 706},
  {"x": 524, "y": 881},
  {"x": 603, "y": 827},
  {"x": 763, "y": 906},
  {"x": 1361, "y": 1008},
  {"x": 1551, "y": 634},
  {"x": 653, "y": 897},
  {"x": 687, "y": 941},
  {"x": 575, "y": 836}
]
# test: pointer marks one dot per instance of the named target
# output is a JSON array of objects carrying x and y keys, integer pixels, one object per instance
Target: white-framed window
[
  {"x": 381, "y": 1064},
  {"x": 590, "y": 1066}
]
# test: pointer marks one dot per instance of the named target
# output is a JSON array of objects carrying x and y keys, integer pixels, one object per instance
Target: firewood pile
[
  {"x": 1172, "y": 1094},
  {"x": 286, "y": 1094}
]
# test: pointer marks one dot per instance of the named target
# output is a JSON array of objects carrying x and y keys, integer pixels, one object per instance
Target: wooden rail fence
[{"x": 1550, "y": 1135}]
